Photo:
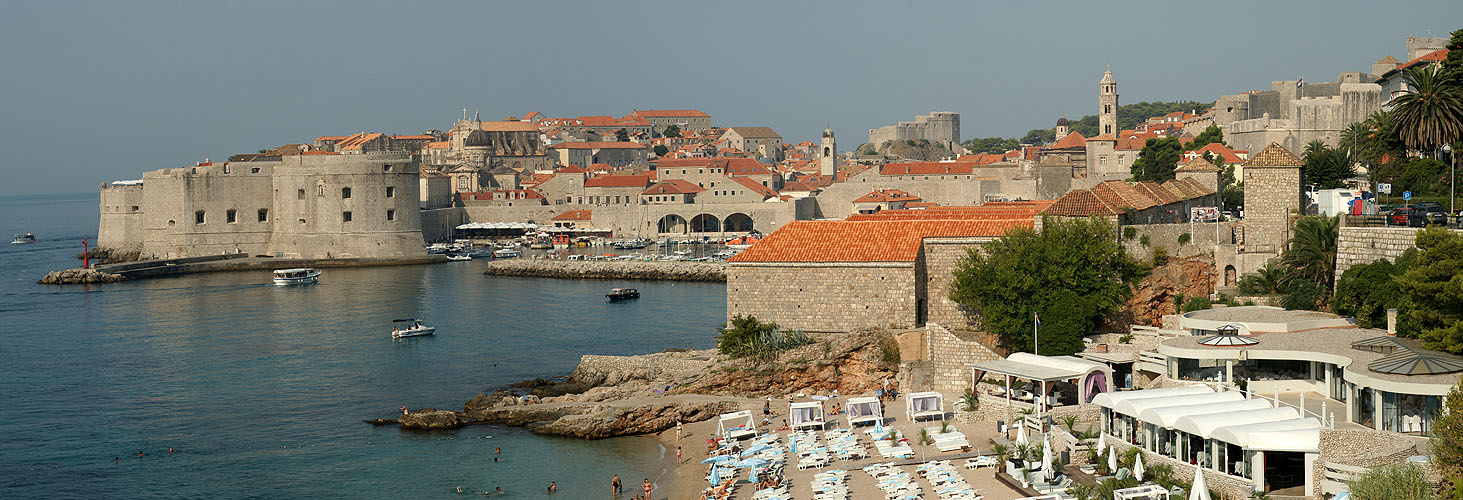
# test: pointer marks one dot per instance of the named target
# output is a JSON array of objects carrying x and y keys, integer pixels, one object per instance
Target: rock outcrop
[
  {"x": 1154, "y": 296},
  {"x": 608, "y": 269},
  {"x": 79, "y": 276}
]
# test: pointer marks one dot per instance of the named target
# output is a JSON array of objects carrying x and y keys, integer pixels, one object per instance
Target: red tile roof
[
  {"x": 1157, "y": 193},
  {"x": 1071, "y": 141},
  {"x": 1122, "y": 195},
  {"x": 886, "y": 196},
  {"x": 800, "y": 186},
  {"x": 756, "y": 132},
  {"x": 572, "y": 169},
  {"x": 669, "y": 113},
  {"x": 864, "y": 241},
  {"x": 1218, "y": 150},
  {"x": 1274, "y": 155},
  {"x": 574, "y": 215},
  {"x": 927, "y": 168},
  {"x": 610, "y": 121},
  {"x": 673, "y": 186},
  {"x": 988, "y": 211},
  {"x": 982, "y": 158},
  {"x": 598, "y": 145},
  {"x": 1081, "y": 203},
  {"x": 419, "y": 137},
  {"x": 637, "y": 180},
  {"x": 506, "y": 126},
  {"x": 765, "y": 191}
]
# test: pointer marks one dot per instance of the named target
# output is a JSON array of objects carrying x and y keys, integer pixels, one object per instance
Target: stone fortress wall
[
  {"x": 824, "y": 297},
  {"x": 941, "y": 127},
  {"x": 1364, "y": 245},
  {"x": 313, "y": 206}
]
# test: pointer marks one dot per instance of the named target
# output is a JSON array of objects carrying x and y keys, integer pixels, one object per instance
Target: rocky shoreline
[
  {"x": 600, "y": 269},
  {"x": 79, "y": 276}
]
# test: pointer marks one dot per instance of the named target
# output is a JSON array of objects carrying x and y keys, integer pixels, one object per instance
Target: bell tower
[
  {"x": 1107, "y": 105},
  {"x": 828, "y": 155}
]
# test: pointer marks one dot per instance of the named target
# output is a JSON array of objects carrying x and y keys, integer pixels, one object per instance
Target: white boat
[
  {"x": 21, "y": 239},
  {"x": 458, "y": 256},
  {"x": 296, "y": 276},
  {"x": 413, "y": 328},
  {"x": 507, "y": 253}
]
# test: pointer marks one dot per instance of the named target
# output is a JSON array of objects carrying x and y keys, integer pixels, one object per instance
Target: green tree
[
  {"x": 622, "y": 135},
  {"x": 1434, "y": 286},
  {"x": 1233, "y": 193},
  {"x": 1039, "y": 136},
  {"x": 1310, "y": 258},
  {"x": 1267, "y": 280},
  {"x": 1366, "y": 291},
  {"x": 672, "y": 130},
  {"x": 1326, "y": 167},
  {"x": 1157, "y": 160},
  {"x": 991, "y": 145},
  {"x": 1210, "y": 135},
  {"x": 1422, "y": 176},
  {"x": 1431, "y": 115},
  {"x": 661, "y": 150},
  {"x": 1447, "y": 438},
  {"x": 1393, "y": 482},
  {"x": 1071, "y": 273}
]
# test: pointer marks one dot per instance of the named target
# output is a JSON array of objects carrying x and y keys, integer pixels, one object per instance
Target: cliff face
[
  {"x": 850, "y": 364},
  {"x": 1154, "y": 295}
]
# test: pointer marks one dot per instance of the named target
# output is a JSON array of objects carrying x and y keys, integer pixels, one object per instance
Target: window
[
  {"x": 231, "y": 217},
  {"x": 345, "y": 192},
  {"x": 135, "y": 208},
  {"x": 461, "y": 183},
  {"x": 302, "y": 221},
  {"x": 390, "y": 191},
  {"x": 1102, "y": 160},
  {"x": 198, "y": 217},
  {"x": 264, "y": 215},
  {"x": 254, "y": 170},
  {"x": 300, "y": 195},
  {"x": 390, "y": 215},
  {"x": 345, "y": 216},
  {"x": 386, "y": 167}
]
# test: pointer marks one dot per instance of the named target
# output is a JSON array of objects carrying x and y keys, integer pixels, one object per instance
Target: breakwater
[{"x": 613, "y": 269}]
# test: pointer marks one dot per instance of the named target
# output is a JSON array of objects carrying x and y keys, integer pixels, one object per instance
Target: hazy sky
[{"x": 99, "y": 91}]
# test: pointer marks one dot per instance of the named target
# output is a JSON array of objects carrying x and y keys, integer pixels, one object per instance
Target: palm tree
[
  {"x": 1311, "y": 256},
  {"x": 1266, "y": 280},
  {"x": 925, "y": 439},
  {"x": 1431, "y": 115},
  {"x": 1355, "y": 137}
]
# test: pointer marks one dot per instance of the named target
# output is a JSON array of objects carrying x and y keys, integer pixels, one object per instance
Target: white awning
[
  {"x": 922, "y": 404},
  {"x": 863, "y": 409},
  {"x": 1304, "y": 441},
  {"x": 1043, "y": 368},
  {"x": 805, "y": 412},
  {"x": 1168, "y": 416},
  {"x": 1244, "y": 435},
  {"x": 1133, "y": 407},
  {"x": 498, "y": 225},
  {"x": 1108, "y": 399},
  {"x": 1205, "y": 424}
]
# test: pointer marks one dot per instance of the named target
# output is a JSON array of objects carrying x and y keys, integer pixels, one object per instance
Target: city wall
[
  {"x": 1364, "y": 245},
  {"x": 643, "y": 220},
  {"x": 831, "y": 297}
]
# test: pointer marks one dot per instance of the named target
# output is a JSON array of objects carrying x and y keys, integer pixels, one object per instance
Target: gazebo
[
  {"x": 863, "y": 411},
  {"x": 1090, "y": 378},
  {"x": 924, "y": 404},
  {"x": 736, "y": 425},
  {"x": 806, "y": 414}
]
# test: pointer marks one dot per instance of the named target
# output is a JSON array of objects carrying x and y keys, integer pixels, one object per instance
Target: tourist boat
[
  {"x": 507, "y": 253},
  {"x": 541, "y": 244},
  {"x": 458, "y": 256},
  {"x": 296, "y": 276},
  {"x": 561, "y": 241},
  {"x": 21, "y": 239},
  {"x": 634, "y": 244},
  {"x": 414, "y": 328},
  {"x": 743, "y": 242},
  {"x": 618, "y": 294}
]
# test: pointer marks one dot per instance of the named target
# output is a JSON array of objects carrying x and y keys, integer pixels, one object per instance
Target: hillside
[{"x": 909, "y": 150}]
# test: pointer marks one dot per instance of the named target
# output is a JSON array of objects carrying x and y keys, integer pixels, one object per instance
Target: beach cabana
[
  {"x": 863, "y": 411},
  {"x": 1086, "y": 378},
  {"x": 924, "y": 404},
  {"x": 736, "y": 425},
  {"x": 806, "y": 414}
]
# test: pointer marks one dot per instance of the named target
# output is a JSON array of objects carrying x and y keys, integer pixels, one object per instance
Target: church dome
[
  {"x": 1062, "y": 122},
  {"x": 478, "y": 138}
]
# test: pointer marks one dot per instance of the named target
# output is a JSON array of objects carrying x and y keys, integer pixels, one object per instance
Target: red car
[{"x": 1400, "y": 215}]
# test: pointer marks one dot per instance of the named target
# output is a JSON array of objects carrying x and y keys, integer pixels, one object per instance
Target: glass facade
[{"x": 1409, "y": 413}]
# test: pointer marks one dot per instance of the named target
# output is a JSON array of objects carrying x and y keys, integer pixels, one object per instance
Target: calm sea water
[{"x": 261, "y": 389}]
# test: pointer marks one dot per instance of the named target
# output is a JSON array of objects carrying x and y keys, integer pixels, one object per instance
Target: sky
[{"x": 92, "y": 92}]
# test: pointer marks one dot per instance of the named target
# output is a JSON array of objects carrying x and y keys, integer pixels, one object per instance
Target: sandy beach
[{"x": 686, "y": 480}]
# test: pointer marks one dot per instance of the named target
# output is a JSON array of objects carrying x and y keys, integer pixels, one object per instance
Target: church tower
[
  {"x": 1063, "y": 128},
  {"x": 1107, "y": 105},
  {"x": 828, "y": 156}
]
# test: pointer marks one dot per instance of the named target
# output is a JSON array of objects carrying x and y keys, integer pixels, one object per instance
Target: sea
[{"x": 222, "y": 385}]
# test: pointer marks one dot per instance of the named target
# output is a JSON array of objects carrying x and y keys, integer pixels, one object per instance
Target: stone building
[
  {"x": 484, "y": 145},
  {"x": 314, "y": 205},
  {"x": 828, "y": 155},
  {"x": 684, "y": 119},
  {"x": 1107, "y": 105},
  {"x": 1272, "y": 194},
  {"x": 1293, "y": 114},
  {"x": 1202, "y": 171},
  {"x": 761, "y": 141},
  {"x": 617, "y": 154},
  {"x": 940, "y": 127}
]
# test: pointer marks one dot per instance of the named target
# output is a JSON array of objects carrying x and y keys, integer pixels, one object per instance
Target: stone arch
[
  {"x": 705, "y": 223},
  {"x": 1229, "y": 276},
  {"x": 672, "y": 223},
  {"x": 737, "y": 222},
  {"x": 827, "y": 151}
]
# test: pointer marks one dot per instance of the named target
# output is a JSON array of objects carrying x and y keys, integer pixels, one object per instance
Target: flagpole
[{"x": 1035, "y": 334}]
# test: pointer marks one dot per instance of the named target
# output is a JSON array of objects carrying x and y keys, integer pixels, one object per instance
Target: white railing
[{"x": 1327, "y": 418}]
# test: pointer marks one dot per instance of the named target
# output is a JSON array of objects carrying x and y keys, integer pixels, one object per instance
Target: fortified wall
[
  {"x": 825, "y": 297},
  {"x": 1364, "y": 245}
]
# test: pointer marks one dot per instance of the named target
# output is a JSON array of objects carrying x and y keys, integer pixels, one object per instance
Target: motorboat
[
  {"x": 743, "y": 243},
  {"x": 619, "y": 294},
  {"x": 562, "y": 241},
  {"x": 21, "y": 239},
  {"x": 296, "y": 276},
  {"x": 411, "y": 327},
  {"x": 634, "y": 244},
  {"x": 507, "y": 253},
  {"x": 458, "y": 256}
]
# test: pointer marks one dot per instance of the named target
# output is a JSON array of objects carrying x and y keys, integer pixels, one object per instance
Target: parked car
[
  {"x": 1399, "y": 216},
  {"x": 1436, "y": 215}
]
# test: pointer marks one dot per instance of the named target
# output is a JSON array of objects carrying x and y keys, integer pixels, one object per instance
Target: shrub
[
  {"x": 1130, "y": 232},
  {"x": 889, "y": 352},
  {"x": 1143, "y": 241},
  {"x": 1196, "y": 304},
  {"x": 747, "y": 337},
  {"x": 1160, "y": 256},
  {"x": 1126, "y": 339},
  {"x": 969, "y": 401},
  {"x": 1393, "y": 482},
  {"x": 1184, "y": 239}
]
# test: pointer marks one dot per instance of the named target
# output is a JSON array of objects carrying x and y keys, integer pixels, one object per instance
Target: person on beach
[
  {"x": 615, "y": 485},
  {"x": 648, "y": 487},
  {"x": 459, "y": 489},
  {"x": 139, "y": 453},
  {"x": 678, "y": 453},
  {"x": 678, "y": 430},
  {"x": 553, "y": 487},
  {"x": 767, "y": 407},
  {"x": 116, "y": 460}
]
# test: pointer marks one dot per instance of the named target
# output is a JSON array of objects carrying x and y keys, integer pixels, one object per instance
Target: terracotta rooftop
[
  {"x": 1274, "y": 155},
  {"x": 598, "y": 145},
  {"x": 755, "y": 187},
  {"x": 982, "y": 158},
  {"x": 864, "y": 241},
  {"x": 989, "y": 211},
  {"x": 799, "y": 186},
  {"x": 513, "y": 126},
  {"x": 572, "y": 169},
  {"x": 574, "y": 215},
  {"x": 756, "y": 132},
  {"x": 1073, "y": 140},
  {"x": 673, "y": 186},
  {"x": 1197, "y": 165},
  {"x": 1122, "y": 195},
  {"x": 1081, "y": 203},
  {"x": 637, "y": 180},
  {"x": 1103, "y": 137},
  {"x": 927, "y": 168},
  {"x": 669, "y": 113},
  {"x": 886, "y": 196},
  {"x": 1219, "y": 150},
  {"x": 1157, "y": 193}
]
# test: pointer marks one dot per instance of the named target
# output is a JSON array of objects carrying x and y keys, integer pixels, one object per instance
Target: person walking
[
  {"x": 678, "y": 430},
  {"x": 678, "y": 454},
  {"x": 615, "y": 486}
]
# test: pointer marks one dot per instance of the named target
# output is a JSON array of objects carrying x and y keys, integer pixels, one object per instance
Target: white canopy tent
[
  {"x": 1090, "y": 377},
  {"x": 1305, "y": 433},
  {"x": 863, "y": 410},
  {"x": 1108, "y": 399},
  {"x": 1205, "y": 424},
  {"x": 924, "y": 404},
  {"x": 1166, "y": 417},
  {"x": 806, "y": 414},
  {"x": 1133, "y": 407},
  {"x": 1149, "y": 492},
  {"x": 736, "y": 425}
]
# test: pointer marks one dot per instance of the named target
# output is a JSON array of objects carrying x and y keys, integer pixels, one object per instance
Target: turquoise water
[{"x": 261, "y": 390}]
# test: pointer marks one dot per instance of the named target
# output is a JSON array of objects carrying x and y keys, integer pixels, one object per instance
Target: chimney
[{"x": 1392, "y": 322}]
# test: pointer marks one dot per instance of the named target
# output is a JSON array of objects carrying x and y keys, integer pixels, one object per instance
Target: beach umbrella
[
  {"x": 752, "y": 463},
  {"x": 1021, "y": 434},
  {"x": 1138, "y": 467},
  {"x": 1046, "y": 458},
  {"x": 754, "y": 449},
  {"x": 717, "y": 459},
  {"x": 1100, "y": 450},
  {"x": 715, "y": 475},
  {"x": 1198, "y": 491},
  {"x": 1112, "y": 460}
]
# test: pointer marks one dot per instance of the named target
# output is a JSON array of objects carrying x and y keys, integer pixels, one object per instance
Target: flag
[
  {"x": 1300, "y": 82},
  {"x": 1038, "y": 320}
]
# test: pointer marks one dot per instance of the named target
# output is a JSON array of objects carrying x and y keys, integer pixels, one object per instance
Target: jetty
[
  {"x": 108, "y": 273},
  {"x": 609, "y": 269}
]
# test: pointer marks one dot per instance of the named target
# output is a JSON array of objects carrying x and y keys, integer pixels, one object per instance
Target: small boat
[
  {"x": 413, "y": 328},
  {"x": 21, "y": 239},
  {"x": 458, "y": 256},
  {"x": 507, "y": 253},
  {"x": 683, "y": 252},
  {"x": 743, "y": 242},
  {"x": 296, "y": 276},
  {"x": 618, "y": 294},
  {"x": 562, "y": 241},
  {"x": 634, "y": 244}
]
